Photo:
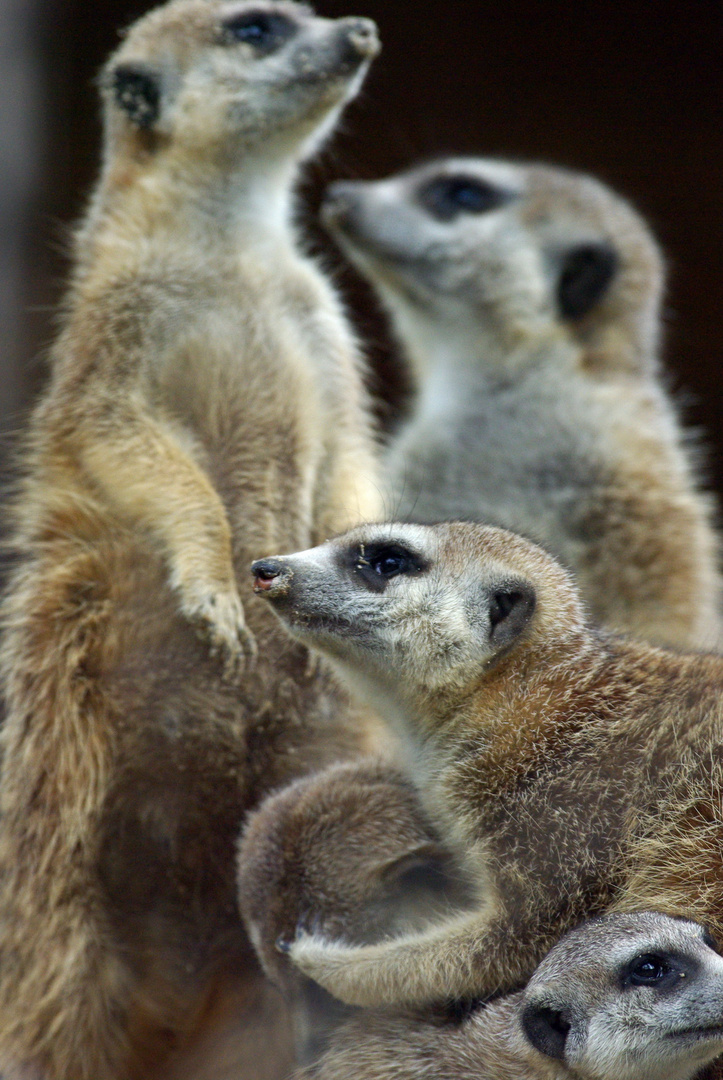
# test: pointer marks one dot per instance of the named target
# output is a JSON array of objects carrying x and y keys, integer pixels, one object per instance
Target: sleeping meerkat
[
  {"x": 619, "y": 998},
  {"x": 205, "y": 402},
  {"x": 349, "y": 851},
  {"x": 527, "y": 299},
  {"x": 473, "y": 643}
]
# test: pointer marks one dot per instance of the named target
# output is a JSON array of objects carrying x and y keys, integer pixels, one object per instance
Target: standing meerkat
[
  {"x": 527, "y": 299},
  {"x": 636, "y": 997},
  {"x": 533, "y": 740},
  {"x": 205, "y": 402}
]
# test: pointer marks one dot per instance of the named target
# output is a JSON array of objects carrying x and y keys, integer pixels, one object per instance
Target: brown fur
[
  {"x": 349, "y": 851},
  {"x": 535, "y": 742},
  {"x": 205, "y": 403}
]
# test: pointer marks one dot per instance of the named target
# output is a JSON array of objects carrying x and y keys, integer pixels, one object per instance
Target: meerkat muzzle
[{"x": 363, "y": 37}]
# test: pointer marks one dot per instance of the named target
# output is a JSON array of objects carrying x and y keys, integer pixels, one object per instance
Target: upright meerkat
[
  {"x": 527, "y": 299},
  {"x": 631, "y": 998},
  {"x": 205, "y": 402},
  {"x": 534, "y": 741}
]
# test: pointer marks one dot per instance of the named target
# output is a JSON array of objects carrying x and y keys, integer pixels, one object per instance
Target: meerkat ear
[
  {"x": 587, "y": 270},
  {"x": 509, "y": 608},
  {"x": 547, "y": 1029},
  {"x": 137, "y": 91}
]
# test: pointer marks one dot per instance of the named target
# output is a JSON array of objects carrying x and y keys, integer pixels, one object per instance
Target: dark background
[{"x": 630, "y": 92}]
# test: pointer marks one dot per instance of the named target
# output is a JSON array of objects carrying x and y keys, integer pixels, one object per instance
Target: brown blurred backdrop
[{"x": 632, "y": 92}]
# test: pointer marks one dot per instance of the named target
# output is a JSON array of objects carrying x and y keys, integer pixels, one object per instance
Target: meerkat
[
  {"x": 349, "y": 850},
  {"x": 206, "y": 401},
  {"x": 533, "y": 740},
  {"x": 636, "y": 997},
  {"x": 527, "y": 300}
]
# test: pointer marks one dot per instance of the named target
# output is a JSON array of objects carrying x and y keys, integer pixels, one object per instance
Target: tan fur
[
  {"x": 548, "y": 421},
  {"x": 533, "y": 740},
  {"x": 205, "y": 402}
]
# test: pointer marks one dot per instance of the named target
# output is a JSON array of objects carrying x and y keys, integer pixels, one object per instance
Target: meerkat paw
[
  {"x": 349, "y": 972},
  {"x": 219, "y": 619}
]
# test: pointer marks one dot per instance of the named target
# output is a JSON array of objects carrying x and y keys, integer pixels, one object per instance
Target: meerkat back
[
  {"x": 527, "y": 300},
  {"x": 205, "y": 401}
]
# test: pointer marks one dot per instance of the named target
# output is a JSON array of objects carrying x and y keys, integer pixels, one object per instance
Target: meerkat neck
[
  {"x": 209, "y": 205},
  {"x": 458, "y": 353}
]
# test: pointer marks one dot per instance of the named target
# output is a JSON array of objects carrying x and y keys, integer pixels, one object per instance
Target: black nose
[
  {"x": 362, "y": 35},
  {"x": 269, "y": 574}
]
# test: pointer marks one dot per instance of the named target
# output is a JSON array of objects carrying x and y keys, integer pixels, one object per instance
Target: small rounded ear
[
  {"x": 547, "y": 1029},
  {"x": 586, "y": 273},
  {"x": 137, "y": 91},
  {"x": 510, "y": 608}
]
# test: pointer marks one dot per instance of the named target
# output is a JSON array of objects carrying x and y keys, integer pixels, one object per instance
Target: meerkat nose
[
  {"x": 363, "y": 36},
  {"x": 270, "y": 575}
]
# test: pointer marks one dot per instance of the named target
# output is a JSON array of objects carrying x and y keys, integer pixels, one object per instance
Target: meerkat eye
[
  {"x": 650, "y": 969},
  {"x": 392, "y": 561},
  {"x": 377, "y": 564},
  {"x": 265, "y": 31},
  {"x": 449, "y": 196}
]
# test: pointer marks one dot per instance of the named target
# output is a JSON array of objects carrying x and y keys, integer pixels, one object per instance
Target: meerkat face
[
  {"x": 217, "y": 78},
  {"x": 470, "y": 244},
  {"x": 413, "y": 610},
  {"x": 635, "y": 997}
]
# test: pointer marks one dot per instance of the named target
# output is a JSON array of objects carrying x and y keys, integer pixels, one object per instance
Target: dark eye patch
[
  {"x": 378, "y": 563},
  {"x": 656, "y": 970},
  {"x": 447, "y": 197},
  {"x": 265, "y": 31}
]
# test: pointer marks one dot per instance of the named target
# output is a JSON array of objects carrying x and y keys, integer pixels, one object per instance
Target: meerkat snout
[{"x": 362, "y": 38}]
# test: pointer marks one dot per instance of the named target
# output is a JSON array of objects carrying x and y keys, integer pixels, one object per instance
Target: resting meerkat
[
  {"x": 347, "y": 850},
  {"x": 533, "y": 739},
  {"x": 630, "y": 998},
  {"x": 205, "y": 401},
  {"x": 527, "y": 299}
]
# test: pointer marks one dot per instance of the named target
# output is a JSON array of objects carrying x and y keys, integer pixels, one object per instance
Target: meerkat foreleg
[
  {"x": 469, "y": 955},
  {"x": 151, "y": 477}
]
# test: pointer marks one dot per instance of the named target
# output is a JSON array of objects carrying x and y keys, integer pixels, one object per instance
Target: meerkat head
[
  {"x": 411, "y": 612},
  {"x": 469, "y": 253},
  {"x": 219, "y": 80},
  {"x": 635, "y": 997}
]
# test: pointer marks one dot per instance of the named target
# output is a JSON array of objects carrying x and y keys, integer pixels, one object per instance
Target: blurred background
[{"x": 632, "y": 92}]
